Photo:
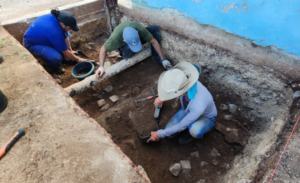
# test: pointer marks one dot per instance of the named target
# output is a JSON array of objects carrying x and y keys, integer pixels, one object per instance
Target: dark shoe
[
  {"x": 1, "y": 59},
  {"x": 3, "y": 101},
  {"x": 60, "y": 70},
  {"x": 185, "y": 138}
]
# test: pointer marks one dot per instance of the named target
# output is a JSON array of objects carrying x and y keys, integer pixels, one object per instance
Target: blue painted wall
[{"x": 266, "y": 22}]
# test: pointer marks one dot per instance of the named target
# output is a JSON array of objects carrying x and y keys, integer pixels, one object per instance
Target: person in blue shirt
[
  {"x": 198, "y": 110},
  {"x": 48, "y": 38}
]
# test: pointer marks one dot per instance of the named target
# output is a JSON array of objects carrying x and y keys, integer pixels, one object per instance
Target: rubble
[
  {"x": 125, "y": 95},
  {"x": 175, "y": 169},
  {"x": 195, "y": 154},
  {"x": 186, "y": 166},
  {"x": 214, "y": 152},
  {"x": 223, "y": 107},
  {"x": 108, "y": 88},
  {"x": 232, "y": 108},
  {"x": 58, "y": 80},
  {"x": 104, "y": 108},
  {"x": 203, "y": 163},
  {"x": 101, "y": 102},
  {"x": 231, "y": 135},
  {"x": 114, "y": 98},
  {"x": 227, "y": 117},
  {"x": 296, "y": 94},
  {"x": 201, "y": 181}
]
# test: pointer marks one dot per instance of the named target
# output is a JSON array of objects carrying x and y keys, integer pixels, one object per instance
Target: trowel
[
  {"x": 82, "y": 55},
  {"x": 157, "y": 108}
]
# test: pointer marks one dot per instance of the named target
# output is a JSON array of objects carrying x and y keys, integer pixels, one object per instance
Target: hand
[
  {"x": 158, "y": 101},
  {"x": 100, "y": 72},
  {"x": 153, "y": 137},
  {"x": 74, "y": 52},
  {"x": 82, "y": 60},
  {"x": 166, "y": 63}
]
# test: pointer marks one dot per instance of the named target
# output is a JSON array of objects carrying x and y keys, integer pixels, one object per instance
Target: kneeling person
[
  {"x": 198, "y": 110},
  {"x": 128, "y": 37}
]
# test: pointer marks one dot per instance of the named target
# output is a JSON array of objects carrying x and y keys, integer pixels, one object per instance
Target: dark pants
[{"x": 154, "y": 30}]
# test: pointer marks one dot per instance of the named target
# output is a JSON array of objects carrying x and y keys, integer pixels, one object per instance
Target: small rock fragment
[
  {"x": 195, "y": 154},
  {"x": 125, "y": 95},
  {"x": 296, "y": 94},
  {"x": 203, "y": 163},
  {"x": 136, "y": 90},
  {"x": 215, "y": 162},
  {"x": 244, "y": 181},
  {"x": 227, "y": 117},
  {"x": 214, "y": 152},
  {"x": 95, "y": 94},
  {"x": 175, "y": 169},
  {"x": 186, "y": 166},
  {"x": 114, "y": 98},
  {"x": 201, "y": 181},
  {"x": 231, "y": 135},
  {"x": 108, "y": 88},
  {"x": 58, "y": 81},
  {"x": 107, "y": 65},
  {"x": 223, "y": 107},
  {"x": 105, "y": 107},
  {"x": 232, "y": 108},
  {"x": 101, "y": 102}
]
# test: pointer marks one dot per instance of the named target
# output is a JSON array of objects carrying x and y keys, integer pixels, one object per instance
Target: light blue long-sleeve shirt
[{"x": 202, "y": 104}]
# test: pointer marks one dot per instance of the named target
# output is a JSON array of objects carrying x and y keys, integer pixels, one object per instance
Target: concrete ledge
[
  {"x": 61, "y": 144},
  {"x": 285, "y": 64},
  {"x": 84, "y": 11}
]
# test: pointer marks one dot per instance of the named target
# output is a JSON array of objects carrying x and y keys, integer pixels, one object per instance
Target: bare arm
[
  {"x": 67, "y": 40},
  {"x": 157, "y": 47},
  {"x": 70, "y": 55},
  {"x": 102, "y": 55}
]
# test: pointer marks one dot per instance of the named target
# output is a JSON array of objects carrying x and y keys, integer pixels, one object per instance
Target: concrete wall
[{"x": 265, "y": 22}]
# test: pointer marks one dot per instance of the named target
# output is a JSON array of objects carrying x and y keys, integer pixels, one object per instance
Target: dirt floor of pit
[{"x": 156, "y": 158}]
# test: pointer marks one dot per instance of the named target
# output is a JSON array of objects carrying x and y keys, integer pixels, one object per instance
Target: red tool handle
[{"x": 11, "y": 142}]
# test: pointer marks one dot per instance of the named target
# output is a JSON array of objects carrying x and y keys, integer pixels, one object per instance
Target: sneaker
[
  {"x": 60, "y": 70},
  {"x": 185, "y": 138}
]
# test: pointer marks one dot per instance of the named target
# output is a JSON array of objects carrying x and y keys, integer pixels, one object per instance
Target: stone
[
  {"x": 214, "y": 152},
  {"x": 114, "y": 98},
  {"x": 201, "y": 181},
  {"x": 108, "y": 88},
  {"x": 232, "y": 108},
  {"x": 227, "y": 117},
  {"x": 58, "y": 80},
  {"x": 186, "y": 166},
  {"x": 175, "y": 169},
  {"x": 107, "y": 65},
  {"x": 195, "y": 154},
  {"x": 223, "y": 107},
  {"x": 296, "y": 94},
  {"x": 136, "y": 90},
  {"x": 230, "y": 135},
  {"x": 215, "y": 162},
  {"x": 203, "y": 163},
  {"x": 101, "y": 102},
  {"x": 125, "y": 95},
  {"x": 104, "y": 108},
  {"x": 244, "y": 181}
]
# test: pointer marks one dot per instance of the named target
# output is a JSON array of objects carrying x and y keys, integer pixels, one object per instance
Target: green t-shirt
[{"x": 115, "y": 41}]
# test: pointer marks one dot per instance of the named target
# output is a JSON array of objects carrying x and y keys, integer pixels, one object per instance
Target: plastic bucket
[
  {"x": 3, "y": 101},
  {"x": 83, "y": 67}
]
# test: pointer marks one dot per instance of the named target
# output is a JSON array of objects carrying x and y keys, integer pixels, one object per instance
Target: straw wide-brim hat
[{"x": 177, "y": 81}]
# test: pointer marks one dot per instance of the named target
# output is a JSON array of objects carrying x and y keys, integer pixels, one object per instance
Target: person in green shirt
[{"x": 128, "y": 37}]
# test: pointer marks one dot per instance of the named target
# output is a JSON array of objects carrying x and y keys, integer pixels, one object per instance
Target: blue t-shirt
[{"x": 46, "y": 30}]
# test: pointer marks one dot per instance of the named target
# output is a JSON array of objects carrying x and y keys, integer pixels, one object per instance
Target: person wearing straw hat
[{"x": 198, "y": 110}]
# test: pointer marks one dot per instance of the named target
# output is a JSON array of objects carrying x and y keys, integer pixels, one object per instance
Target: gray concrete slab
[{"x": 11, "y": 9}]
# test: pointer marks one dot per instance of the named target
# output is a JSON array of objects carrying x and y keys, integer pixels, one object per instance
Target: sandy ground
[
  {"x": 61, "y": 144},
  {"x": 8, "y": 7}
]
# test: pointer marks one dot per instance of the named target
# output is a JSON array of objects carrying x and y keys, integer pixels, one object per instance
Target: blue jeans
[
  {"x": 197, "y": 129},
  {"x": 50, "y": 54}
]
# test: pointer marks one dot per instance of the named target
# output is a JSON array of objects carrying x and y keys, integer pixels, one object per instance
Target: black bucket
[
  {"x": 83, "y": 67},
  {"x": 3, "y": 101},
  {"x": 145, "y": 138}
]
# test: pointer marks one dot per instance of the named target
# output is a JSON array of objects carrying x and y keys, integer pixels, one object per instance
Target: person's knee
[{"x": 197, "y": 133}]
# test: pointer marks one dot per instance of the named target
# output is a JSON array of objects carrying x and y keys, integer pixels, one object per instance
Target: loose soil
[{"x": 124, "y": 119}]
